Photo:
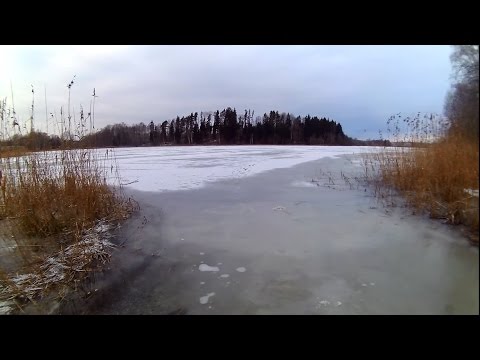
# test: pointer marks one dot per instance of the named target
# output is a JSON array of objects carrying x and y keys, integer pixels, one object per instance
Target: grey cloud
[{"x": 359, "y": 86}]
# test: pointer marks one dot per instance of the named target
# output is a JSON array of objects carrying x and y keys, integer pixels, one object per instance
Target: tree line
[{"x": 225, "y": 127}]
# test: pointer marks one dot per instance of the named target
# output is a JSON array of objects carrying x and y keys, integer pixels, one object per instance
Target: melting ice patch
[
  {"x": 204, "y": 299},
  {"x": 205, "y": 267}
]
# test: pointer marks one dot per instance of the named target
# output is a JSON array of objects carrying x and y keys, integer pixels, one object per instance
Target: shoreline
[
  {"x": 137, "y": 253},
  {"x": 162, "y": 252}
]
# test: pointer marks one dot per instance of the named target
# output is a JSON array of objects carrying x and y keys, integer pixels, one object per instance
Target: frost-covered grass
[{"x": 63, "y": 268}]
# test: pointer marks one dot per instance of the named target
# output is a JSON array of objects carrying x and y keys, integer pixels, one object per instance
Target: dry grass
[
  {"x": 57, "y": 208},
  {"x": 12, "y": 151},
  {"x": 55, "y": 203},
  {"x": 56, "y": 192},
  {"x": 63, "y": 268},
  {"x": 431, "y": 177}
]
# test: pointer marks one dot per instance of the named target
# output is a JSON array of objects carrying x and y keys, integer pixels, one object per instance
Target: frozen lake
[
  {"x": 185, "y": 168},
  {"x": 250, "y": 233}
]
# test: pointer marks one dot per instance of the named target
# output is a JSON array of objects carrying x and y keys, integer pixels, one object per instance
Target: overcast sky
[{"x": 358, "y": 86}]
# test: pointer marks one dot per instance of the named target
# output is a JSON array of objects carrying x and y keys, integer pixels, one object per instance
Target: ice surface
[
  {"x": 205, "y": 267},
  {"x": 204, "y": 299},
  {"x": 183, "y": 168}
]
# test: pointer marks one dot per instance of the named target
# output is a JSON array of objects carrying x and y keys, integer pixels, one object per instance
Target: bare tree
[{"x": 461, "y": 105}]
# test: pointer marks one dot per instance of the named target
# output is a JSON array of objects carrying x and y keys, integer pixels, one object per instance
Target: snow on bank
[
  {"x": 189, "y": 167},
  {"x": 6, "y": 306},
  {"x": 471, "y": 192},
  {"x": 65, "y": 265}
]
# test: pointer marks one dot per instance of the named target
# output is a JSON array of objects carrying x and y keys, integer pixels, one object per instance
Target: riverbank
[{"x": 57, "y": 212}]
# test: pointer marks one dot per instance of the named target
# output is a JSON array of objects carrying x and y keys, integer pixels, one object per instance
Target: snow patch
[
  {"x": 224, "y": 276},
  {"x": 5, "y": 307},
  {"x": 471, "y": 192},
  {"x": 204, "y": 299},
  {"x": 241, "y": 269},
  {"x": 94, "y": 245},
  {"x": 205, "y": 267},
  {"x": 304, "y": 184}
]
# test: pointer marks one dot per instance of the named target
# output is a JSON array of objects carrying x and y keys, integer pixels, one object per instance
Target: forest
[{"x": 224, "y": 127}]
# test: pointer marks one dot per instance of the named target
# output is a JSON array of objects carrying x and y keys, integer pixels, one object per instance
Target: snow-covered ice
[{"x": 169, "y": 168}]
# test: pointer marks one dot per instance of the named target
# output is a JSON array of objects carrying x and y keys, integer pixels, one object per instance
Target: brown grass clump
[
  {"x": 58, "y": 209},
  {"x": 53, "y": 192},
  {"x": 65, "y": 203},
  {"x": 12, "y": 151},
  {"x": 436, "y": 173}
]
